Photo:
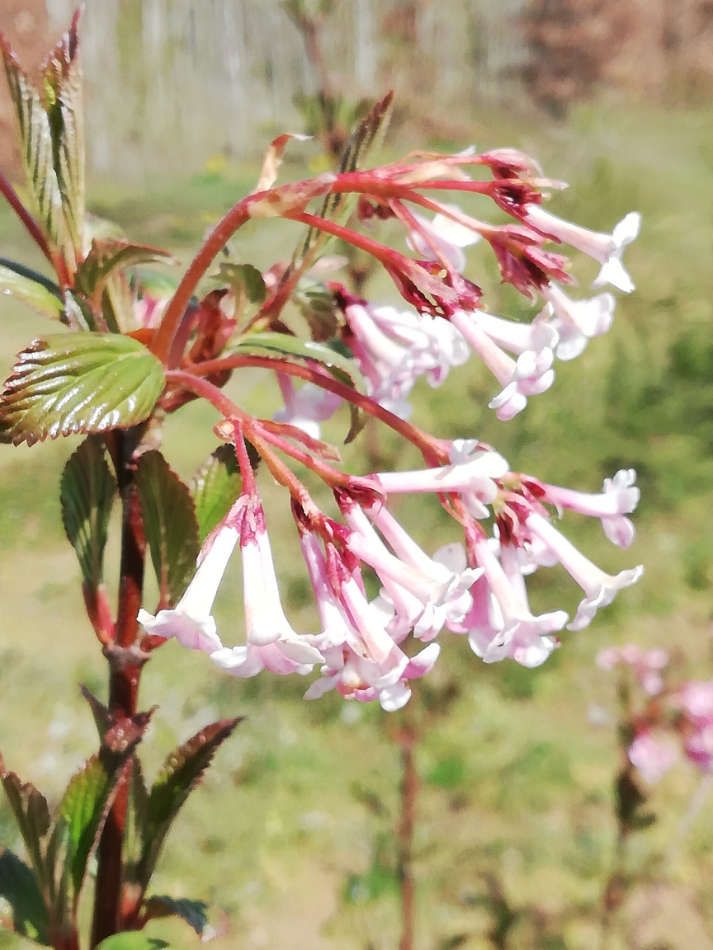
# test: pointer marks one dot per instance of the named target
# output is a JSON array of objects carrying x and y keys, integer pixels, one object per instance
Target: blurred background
[{"x": 516, "y": 833}]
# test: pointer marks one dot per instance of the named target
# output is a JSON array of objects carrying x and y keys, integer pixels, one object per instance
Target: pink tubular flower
[
  {"x": 191, "y": 621},
  {"x": 647, "y": 665},
  {"x": 619, "y": 498},
  {"x": 696, "y": 701},
  {"x": 500, "y": 623},
  {"x": 442, "y": 238},
  {"x": 653, "y": 755},
  {"x": 600, "y": 589},
  {"x": 577, "y": 321},
  {"x": 393, "y": 348},
  {"x": 423, "y": 592},
  {"x": 528, "y": 375},
  {"x": 306, "y": 407},
  {"x": 605, "y": 248},
  {"x": 362, "y": 661},
  {"x": 271, "y": 643}
]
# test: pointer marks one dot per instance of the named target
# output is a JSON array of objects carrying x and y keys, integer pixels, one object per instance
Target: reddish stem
[
  {"x": 24, "y": 215},
  {"x": 404, "y": 835},
  {"x": 426, "y": 444},
  {"x": 123, "y": 682}
]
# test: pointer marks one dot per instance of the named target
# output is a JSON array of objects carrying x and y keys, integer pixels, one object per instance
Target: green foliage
[
  {"x": 87, "y": 493},
  {"x": 193, "y": 912},
  {"x": 216, "y": 485},
  {"x": 244, "y": 280},
  {"x": 169, "y": 524},
  {"x": 180, "y": 774},
  {"x": 52, "y": 139},
  {"x": 30, "y": 292},
  {"x": 78, "y": 383},
  {"x": 18, "y": 885},
  {"x": 102, "y": 286},
  {"x": 45, "y": 898},
  {"x": 83, "y": 810}
]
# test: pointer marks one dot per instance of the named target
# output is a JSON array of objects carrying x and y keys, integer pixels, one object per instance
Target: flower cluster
[
  {"x": 672, "y": 719},
  {"x": 384, "y": 603}
]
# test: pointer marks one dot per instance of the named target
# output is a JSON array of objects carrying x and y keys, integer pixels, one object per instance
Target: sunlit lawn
[{"x": 289, "y": 839}]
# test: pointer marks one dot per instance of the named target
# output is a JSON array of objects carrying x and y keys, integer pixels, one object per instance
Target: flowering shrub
[{"x": 127, "y": 358}]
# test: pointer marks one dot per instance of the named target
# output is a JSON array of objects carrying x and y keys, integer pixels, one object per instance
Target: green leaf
[
  {"x": 193, "y": 912},
  {"x": 216, "y": 485},
  {"x": 18, "y": 886},
  {"x": 83, "y": 809},
  {"x": 102, "y": 282},
  {"x": 169, "y": 524},
  {"x": 132, "y": 940},
  {"x": 181, "y": 772},
  {"x": 32, "y": 815},
  {"x": 316, "y": 304},
  {"x": 52, "y": 138},
  {"x": 87, "y": 493},
  {"x": 79, "y": 382},
  {"x": 244, "y": 280},
  {"x": 284, "y": 345},
  {"x": 30, "y": 292}
]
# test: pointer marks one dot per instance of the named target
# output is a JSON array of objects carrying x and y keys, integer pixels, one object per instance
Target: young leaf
[
  {"x": 193, "y": 912},
  {"x": 215, "y": 487},
  {"x": 51, "y": 133},
  {"x": 132, "y": 940},
  {"x": 78, "y": 382},
  {"x": 87, "y": 493},
  {"x": 245, "y": 280},
  {"x": 83, "y": 809},
  {"x": 180, "y": 774},
  {"x": 169, "y": 523},
  {"x": 32, "y": 816},
  {"x": 18, "y": 886},
  {"x": 34, "y": 294},
  {"x": 283, "y": 345}
]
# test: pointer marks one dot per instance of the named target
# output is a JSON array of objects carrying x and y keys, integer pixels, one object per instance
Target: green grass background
[{"x": 289, "y": 839}]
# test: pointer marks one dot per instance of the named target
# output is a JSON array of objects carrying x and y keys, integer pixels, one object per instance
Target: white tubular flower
[
  {"x": 619, "y": 498},
  {"x": 271, "y": 642},
  {"x": 307, "y": 406},
  {"x": 528, "y": 375},
  {"x": 442, "y": 238},
  {"x": 577, "y": 321},
  {"x": 501, "y": 623},
  {"x": 605, "y": 248},
  {"x": 600, "y": 589},
  {"x": 472, "y": 472},
  {"x": 191, "y": 621}
]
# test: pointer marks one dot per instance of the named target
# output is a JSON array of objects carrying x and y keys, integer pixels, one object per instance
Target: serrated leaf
[
  {"x": 181, "y": 772},
  {"x": 87, "y": 493},
  {"x": 19, "y": 887},
  {"x": 51, "y": 133},
  {"x": 101, "y": 279},
  {"x": 30, "y": 292},
  {"x": 32, "y": 815},
  {"x": 132, "y": 940},
  {"x": 216, "y": 485},
  {"x": 79, "y": 382},
  {"x": 193, "y": 912},
  {"x": 244, "y": 280},
  {"x": 169, "y": 524},
  {"x": 83, "y": 808}
]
